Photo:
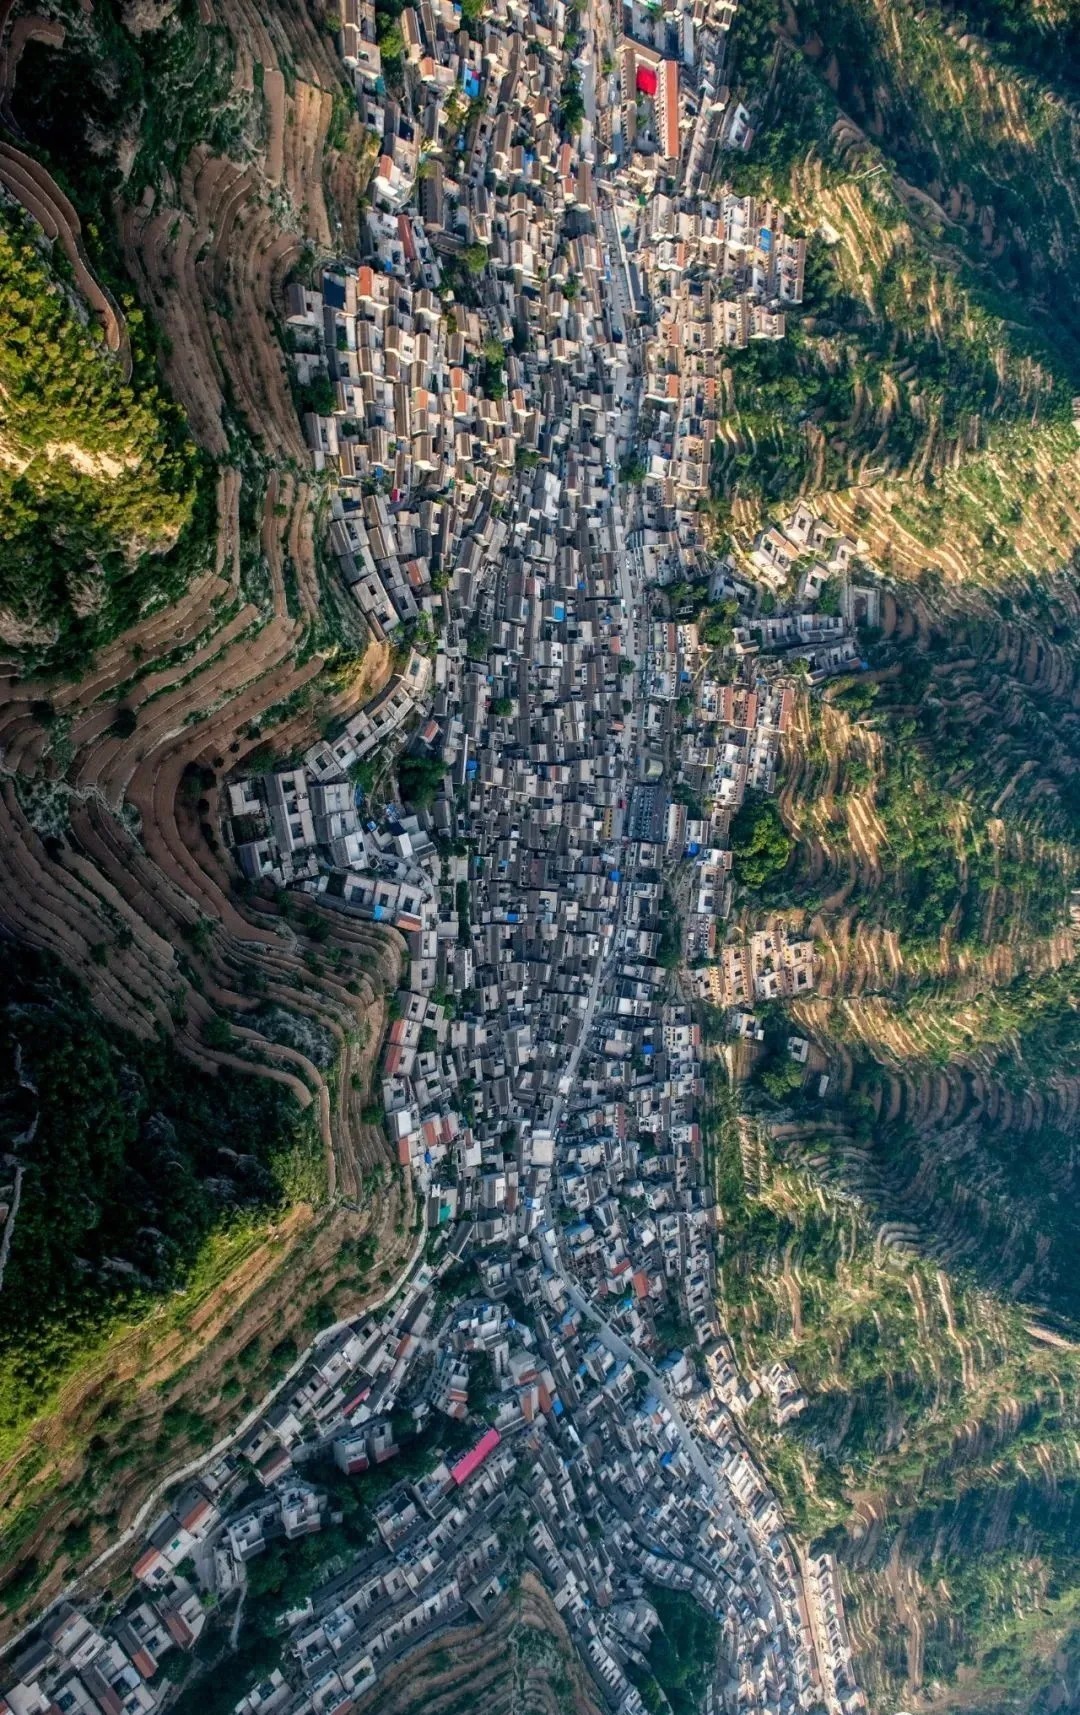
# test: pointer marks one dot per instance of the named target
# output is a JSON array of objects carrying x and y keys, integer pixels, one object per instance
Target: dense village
[{"x": 513, "y": 395}]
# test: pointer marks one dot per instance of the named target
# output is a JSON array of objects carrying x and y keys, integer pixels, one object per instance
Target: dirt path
[{"x": 42, "y": 198}]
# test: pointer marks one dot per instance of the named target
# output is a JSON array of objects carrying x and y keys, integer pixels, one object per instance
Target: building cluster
[
  {"x": 670, "y": 113},
  {"x": 800, "y": 560},
  {"x": 769, "y": 965},
  {"x": 719, "y": 276},
  {"x": 79, "y": 1668},
  {"x": 302, "y": 825},
  {"x": 606, "y": 1472},
  {"x": 551, "y": 280}
]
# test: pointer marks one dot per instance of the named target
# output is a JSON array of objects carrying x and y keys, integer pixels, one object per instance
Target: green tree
[
  {"x": 419, "y": 778},
  {"x": 760, "y": 844},
  {"x": 99, "y": 488},
  {"x": 633, "y": 470},
  {"x": 571, "y": 105}
]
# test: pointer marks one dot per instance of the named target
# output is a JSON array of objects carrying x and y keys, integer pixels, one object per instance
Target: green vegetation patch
[
  {"x": 925, "y": 1393},
  {"x": 863, "y": 375},
  {"x": 132, "y": 1162},
  {"x": 167, "y": 88},
  {"x": 99, "y": 483},
  {"x": 938, "y": 343},
  {"x": 419, "y": 778},
  {"x": 760, "y": 844},
  {"x": 683, "y": 1654}
]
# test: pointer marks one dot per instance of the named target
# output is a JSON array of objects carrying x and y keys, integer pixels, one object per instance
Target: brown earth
[
  {"x": 123, "y": 876},
  {"x": 521, "y": 1661}
]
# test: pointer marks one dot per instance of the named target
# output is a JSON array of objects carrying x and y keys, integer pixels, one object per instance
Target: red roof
[
  {"x": 646, "y": 80},
  {"x": 670, "y": 110},
  {"x": 463, "y": 1470},
  {"x": 405, "y": 233},
  {"x": 148, "y": 1562},
  {"x": 195, "y": 1513}
]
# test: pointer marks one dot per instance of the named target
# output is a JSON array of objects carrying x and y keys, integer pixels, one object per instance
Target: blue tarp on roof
[{"x": 333, "y": 292}]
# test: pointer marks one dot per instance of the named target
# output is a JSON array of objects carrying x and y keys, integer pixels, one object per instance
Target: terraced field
[
  {"x": 520, "y": 1662},
  {"x": 937, "y": 1453},
  {"x": 907, "y": 1239},
  {"x": 110, "y": 774},
  {"x": 926, "y": 396}
]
